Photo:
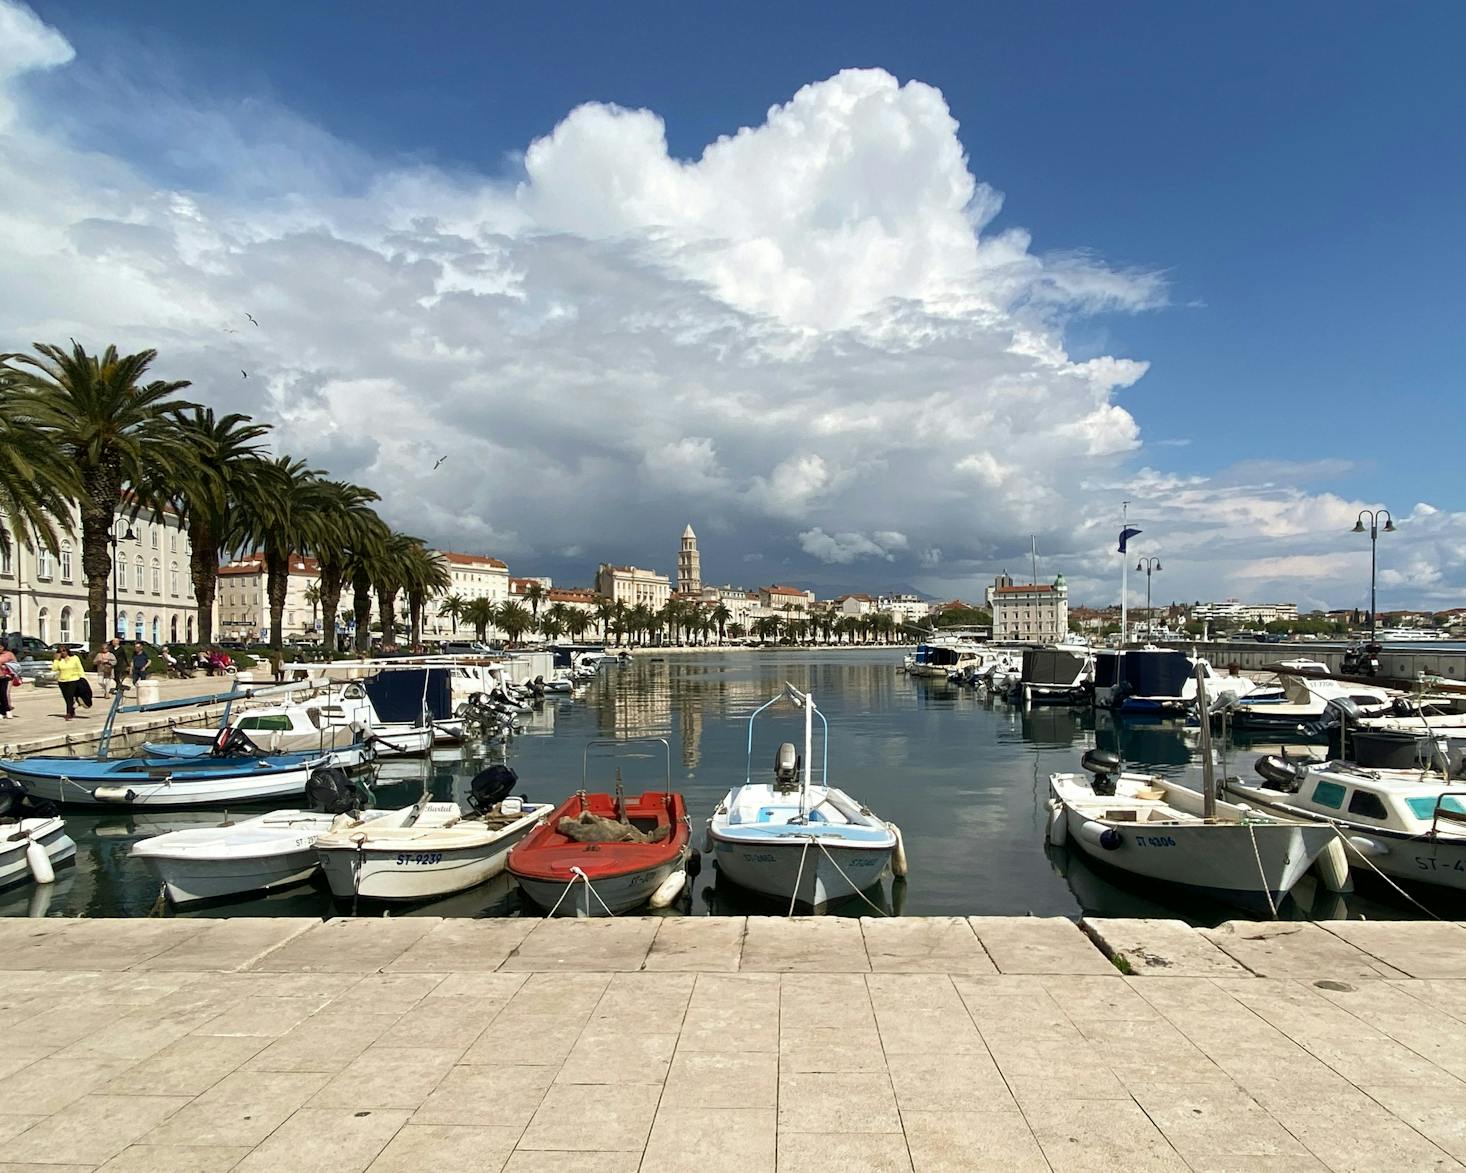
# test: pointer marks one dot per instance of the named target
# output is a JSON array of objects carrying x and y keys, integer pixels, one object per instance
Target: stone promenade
[{"x": 427, "y": 1045}]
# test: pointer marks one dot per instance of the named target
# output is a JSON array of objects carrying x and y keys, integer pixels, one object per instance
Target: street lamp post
[
  {"x": 1374, "y": 531},
  {"x": 112, "y": 540},
  {"x": 1150, "y": 566}
]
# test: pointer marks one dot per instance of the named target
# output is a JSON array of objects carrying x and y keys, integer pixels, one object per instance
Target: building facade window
[
  {"x": 157, "y": 629},
  {"x": 157, "y": 578},
  {"x": 190, "y": 629},
  {"x": 138, "y": 580},
  {"x": 120, "y": 576},
  {"x": 137, "y": 630},
  {"x": 65, "y": 561},
  {"x": 86, "y": 627},
  {"x": 155, "y": 537},
  {"x": 173, "y": 630},
  {"x": 5, "y": 565},
  {"x": 173, "y": 541},
  {"x": 121, "y": 626},
  {"x": 43, "y": 622},
  {"x": 65, "y": 633},
  {"x": 44, "y": 569},
  {"x": 173, "y": 578}
]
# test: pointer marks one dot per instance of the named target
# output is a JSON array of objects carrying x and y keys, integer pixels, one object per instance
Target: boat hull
[
  {"x": 187, "y": 881},
  {"x": 397, "y": 872},
  {"x": 162, "y": 788},
  {"x": 773, "y": 868},
  {"x": 618, "y": 893},
  {"x": 348, "y": 758},
  {"x": 49, "y": 833},
  {"x": 1218, "y": 860}
]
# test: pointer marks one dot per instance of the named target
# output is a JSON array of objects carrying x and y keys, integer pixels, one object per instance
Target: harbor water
[{"x": 965, "y": 776}]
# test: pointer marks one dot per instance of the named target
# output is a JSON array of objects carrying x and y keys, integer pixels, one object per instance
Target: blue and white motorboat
[{"x": 795, "y": 839}]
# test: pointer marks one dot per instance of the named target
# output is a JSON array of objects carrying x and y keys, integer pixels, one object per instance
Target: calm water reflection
[{"x": 964, "y": 776}]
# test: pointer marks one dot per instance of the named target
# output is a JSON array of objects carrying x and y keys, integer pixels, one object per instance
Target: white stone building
[
  {"x": 633, "y": 586},
  {"x": 149, "y": 592},
  {"x": 780, "y": 600},
  {"x": 906, "y": 608},
  {"x": 1232, "y": 611},
  {"x": 473, "y": 576},
  {"x": 689, "y": 565},
  {"x": 244, "y": 608},
  {"x": 1029, "y": 612}
]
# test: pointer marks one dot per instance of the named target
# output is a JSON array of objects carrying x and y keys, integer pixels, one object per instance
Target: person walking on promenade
[
  {"x": 139, "y": 663},
  {"x": 105, "y": 662},
  {"x": 69, "y": 671},
  {"x": 10, "y": 677}
]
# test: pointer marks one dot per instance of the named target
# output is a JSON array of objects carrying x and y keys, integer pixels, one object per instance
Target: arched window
[
  {"x": 154, "y": 533},
  {"x": 173, "y": 578},
  {"x": 121, "y": 575},
  {"x": 5, "y": 565},
  {"x": 190, "y": 629},
  {"x": 137, "y": 630},
  {"x": 138, "y": 576},
  {"x": 121, "y": 625},
  {"x": 86, "y": 627},
  {"x": 65, "y": 561},
  {"x": 157, "y": 577},
  {"x": 173, "y": 630},
  {"x": 43, "y": 622},
  {"x": 65, "y": 634},
  {"x": 173, "y": 541},
  {"x": 157, "y": 629}
]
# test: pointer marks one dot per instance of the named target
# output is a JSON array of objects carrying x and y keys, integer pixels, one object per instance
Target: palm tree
[
  {"x": 36, "y": 489},
  {"x": 605, "y": 612},
  {"x": 348, "y": 535},
  {"x": 642, "y": 619},
  {"x": 452, "y": 608},
  {"x": 427, "y": 575},
  {"x": 207, "y": 491},
  {"x": 515, "y": 619},
  {"x": 737, "y": 630},
  {"x": 282, "y": 521},
  {"x": 111, "y": 431},
  {"x": 313, "y": 597},
  {"x": 480, "y": 613},
  {"x": 389, "y": 573},
  {"x": 766, "y": 627},
  {"x": 534, "y": 594},
  {"x": 620, "y": 619},
  {"x": 554, "y": 621},
  {"x": 721, "y": 615},
  {"x": 576, "y": 621}
]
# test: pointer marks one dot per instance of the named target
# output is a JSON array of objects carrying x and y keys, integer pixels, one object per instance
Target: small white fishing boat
[
  {"x": 437, "y": 850},
  {"x": 270, "y": 851},
  {"x": 32, "y": 848},
  {"x": 1159, "y": 830},
  {"x": 795, "y": 839}
]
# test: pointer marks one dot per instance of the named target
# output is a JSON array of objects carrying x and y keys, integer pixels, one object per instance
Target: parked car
[{"x": 29, "y": 646}]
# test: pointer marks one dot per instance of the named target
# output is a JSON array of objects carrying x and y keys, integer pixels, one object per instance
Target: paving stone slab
[
  {"x": 464, "y": 945},
  {"x": 348, "y": 945},
  {"x": 812, "y": 944},
  {"x": 103, "y": 945},
  {"x": 1422, "y": 949},
  {"x": 229, "y": 944},
  {"x": 924, "y": 944},
  {"x": 698, "y": 944},
  {"x": 1166, "y": 948},
  {"x": 589, "y": 944},
  {"x": 1296, "y": 950},
  {"x": 1038, "y": 944}
]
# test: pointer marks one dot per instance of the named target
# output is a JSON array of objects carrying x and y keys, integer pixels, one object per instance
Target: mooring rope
[
  {"x": 1261, "y": 874},
  {"x": 879, "y": 910},
  {"x": 576, "y": 875},
  {"x": 794, "y": 896}
]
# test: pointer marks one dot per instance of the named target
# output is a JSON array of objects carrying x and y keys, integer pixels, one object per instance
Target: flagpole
[{"x": 1124, "y": 572}]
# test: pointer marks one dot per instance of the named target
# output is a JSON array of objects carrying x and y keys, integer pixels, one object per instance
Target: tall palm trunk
[
  {"x": 361, "y": 607},
  {"x": 203, "y": 572},
  {"x": 330, "y": 585},
  {"x": 277, "y": 585},
  {"x": 414, "y": 611},
  {"x": 102, "y": 488},
  {"x": 387, "y": 615}
]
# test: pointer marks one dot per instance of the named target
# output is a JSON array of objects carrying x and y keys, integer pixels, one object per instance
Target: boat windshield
[{"x": 1423, "y": 806}]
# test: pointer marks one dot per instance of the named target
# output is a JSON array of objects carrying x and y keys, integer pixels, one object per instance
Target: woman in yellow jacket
[{"x": 69, "y": 672}]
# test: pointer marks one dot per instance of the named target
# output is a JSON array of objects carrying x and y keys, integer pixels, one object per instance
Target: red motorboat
[{"x": 604, "y": 854}]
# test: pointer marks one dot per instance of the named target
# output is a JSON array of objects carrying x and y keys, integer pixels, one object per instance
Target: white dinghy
[
  {"x": 438, "y": 849},
  {"x": 261, "y": 854},
  {"x": 32, "y": 845},
  {"x": 795, "y": 839}
]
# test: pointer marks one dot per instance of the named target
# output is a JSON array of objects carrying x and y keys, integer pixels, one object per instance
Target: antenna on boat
[
  {"x": 1208, "y": 767},
  {"x": 620, "y": 798}
]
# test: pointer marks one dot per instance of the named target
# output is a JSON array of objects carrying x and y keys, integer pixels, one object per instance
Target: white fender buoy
[
  {"x": 1332, "y": 866},
  {"x": 1096, "y": 834},
  {"x": 707, "y": 841},
  {"x": 898, "y": 853},
  {"x": 39, "y": 862},
  {"x": 669, "y": 888},
  {"x": 1058, "y": 825},
  {"x": 1367, "y": 847}
]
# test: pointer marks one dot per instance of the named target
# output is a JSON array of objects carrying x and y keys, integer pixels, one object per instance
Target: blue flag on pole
[{"x": 1125, "y": 536}]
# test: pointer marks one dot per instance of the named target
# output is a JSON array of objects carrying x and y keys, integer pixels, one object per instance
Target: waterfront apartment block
[
  {"x": 779, "y": 599},
  {"x": 1029, "y": 612},
  {"x": 149, "y": 592},
  {"x": 633, "y": 586},
  {"x": 1232, "y": 611},
  {"x": 243, "y": 606}
]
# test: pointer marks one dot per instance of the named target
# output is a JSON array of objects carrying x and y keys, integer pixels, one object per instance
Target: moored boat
[
  {"x": 795, "y": 839},
  {"x": 604, "y": 854},
  {"x": 163, "y": 782},
  {"x": 33, "y": 842}
]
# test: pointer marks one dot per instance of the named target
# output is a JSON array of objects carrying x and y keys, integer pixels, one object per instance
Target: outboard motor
[
  {"x": 490, "y": 787},
  {"x": 231, "y": 740},
  {"x": 1103, "y": 764},
  {"x": 330, "y": 790},
  {"x": 786, "y": 768},
  {"x": 1278, "y": 773},
  {"x": 1339, "y": 715}
]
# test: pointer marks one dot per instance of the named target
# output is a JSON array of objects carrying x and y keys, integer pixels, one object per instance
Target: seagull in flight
[
  {"x": 245, "y": 374},
  {"x": 251, "y": 317},
  {"x": 438, "y": 462}
]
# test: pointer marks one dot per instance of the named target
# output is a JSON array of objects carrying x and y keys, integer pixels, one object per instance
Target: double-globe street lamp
[
  {"x": 1150, "y": 565},
  {"x": 1374, "y": 531}
]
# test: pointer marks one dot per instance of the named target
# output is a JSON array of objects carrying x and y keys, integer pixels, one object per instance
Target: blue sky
[{"x": 1293, "y": 174}]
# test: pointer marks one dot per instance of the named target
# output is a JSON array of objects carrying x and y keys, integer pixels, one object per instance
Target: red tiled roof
[
  {"x": 472, "y": 560},
  {"x": 1012, "y": 590},
  {"x": 255, "y": 564}
]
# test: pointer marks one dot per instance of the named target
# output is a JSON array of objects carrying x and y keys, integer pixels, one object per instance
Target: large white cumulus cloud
[{"x": 809, "y": 340}]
